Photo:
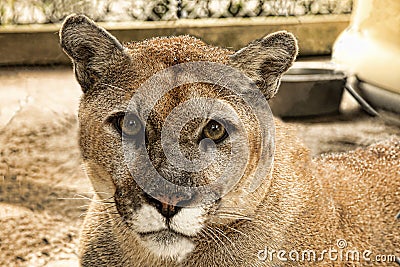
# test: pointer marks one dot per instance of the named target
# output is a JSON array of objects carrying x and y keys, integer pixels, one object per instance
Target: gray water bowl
[{"x": 309, "y": 89}]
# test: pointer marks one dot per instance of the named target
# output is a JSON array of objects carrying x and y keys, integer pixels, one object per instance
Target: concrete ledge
[{"x": 38, "y": 44}]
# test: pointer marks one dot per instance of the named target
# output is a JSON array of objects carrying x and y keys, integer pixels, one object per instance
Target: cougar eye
[
  {"x": 129, "y": 125},
  {"x": 215, "y": 131}
]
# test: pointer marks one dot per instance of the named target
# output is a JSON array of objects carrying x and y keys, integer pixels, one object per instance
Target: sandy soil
[
  {"x": 42, "y": 186},
  {"x": 43, "y": 191}
]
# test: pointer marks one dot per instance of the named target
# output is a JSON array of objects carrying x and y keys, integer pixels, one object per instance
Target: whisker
[
  {"x": 206, "y": 232},
  {"x": 224, "y": 235},
  {"x": 114, "y": 87},
  {"x": 106, "y": 221},
  {"x": 83, "y": 197},
  {"x": 232, "y": 216},
  {"x": 222, "y": 242},
  {"x": 236, "y": 230},
  {"x": 106, "y": 210},
  {"x": 84, "y": 214}
]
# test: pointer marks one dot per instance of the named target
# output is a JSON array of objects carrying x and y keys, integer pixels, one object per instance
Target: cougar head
[{"x": 169, "y": 129}]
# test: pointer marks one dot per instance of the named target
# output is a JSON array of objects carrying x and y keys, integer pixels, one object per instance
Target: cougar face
[
  {"x": 168, "y": 218},
  {"x": 160, "y": 165}
]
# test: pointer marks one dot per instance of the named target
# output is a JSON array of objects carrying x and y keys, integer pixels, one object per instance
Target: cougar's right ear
[{"x": 92, "y": 49}]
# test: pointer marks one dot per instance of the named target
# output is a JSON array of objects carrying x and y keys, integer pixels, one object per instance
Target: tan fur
[{"x": 306, "y": 204}]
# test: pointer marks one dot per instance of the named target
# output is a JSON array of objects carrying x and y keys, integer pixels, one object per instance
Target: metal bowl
[{"x": 309, "y": 89}]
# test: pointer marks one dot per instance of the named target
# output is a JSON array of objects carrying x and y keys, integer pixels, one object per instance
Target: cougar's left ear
[
  {"x": 93, "y": 50},
  {"x": 266, "y": 60}
]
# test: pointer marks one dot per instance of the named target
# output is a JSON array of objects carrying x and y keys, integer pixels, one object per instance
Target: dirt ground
[{"x": 43, "y": 191}]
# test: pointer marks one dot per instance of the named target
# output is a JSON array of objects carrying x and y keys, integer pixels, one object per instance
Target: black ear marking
[
  {"x": 266, "y": 60},
  {"x": 92, "y": 49}
]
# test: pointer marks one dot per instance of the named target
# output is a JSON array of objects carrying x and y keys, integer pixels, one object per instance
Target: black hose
[
  {"x": 386, "y": 118},
  {"x": 364, "y": 104}
]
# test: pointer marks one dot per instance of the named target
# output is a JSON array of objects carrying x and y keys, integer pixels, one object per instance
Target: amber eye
[
  {"x": 215, "y": 131},
  {"x": 129, "y": 125}
]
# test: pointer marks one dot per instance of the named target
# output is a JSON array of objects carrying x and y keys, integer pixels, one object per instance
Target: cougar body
[{"x": 343, "y": 202}]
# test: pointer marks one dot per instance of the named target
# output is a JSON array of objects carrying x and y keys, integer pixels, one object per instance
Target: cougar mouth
[
  {"x": 166, "y": 235},
  {"x": 168, "y": 243}
]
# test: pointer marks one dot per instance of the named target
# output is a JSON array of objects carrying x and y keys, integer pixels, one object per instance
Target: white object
[{"x": 370, "y": 46}]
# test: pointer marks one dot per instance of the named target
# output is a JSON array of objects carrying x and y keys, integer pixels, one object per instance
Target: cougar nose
[{"x": 168, "y": 205}]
